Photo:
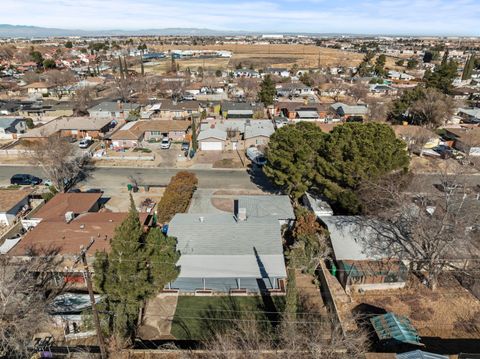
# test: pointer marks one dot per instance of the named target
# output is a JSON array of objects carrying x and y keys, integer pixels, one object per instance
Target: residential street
[
  {"x": 118, "y": 177},
  {"x": 104, "y": 178}
]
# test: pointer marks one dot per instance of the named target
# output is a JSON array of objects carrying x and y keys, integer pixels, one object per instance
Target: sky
[{"x": 403, "y": 17}]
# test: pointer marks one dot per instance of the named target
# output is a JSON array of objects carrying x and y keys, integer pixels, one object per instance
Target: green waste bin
[
  {"x": 129, "y": 187},
  {"x": 333, "y": 270}
]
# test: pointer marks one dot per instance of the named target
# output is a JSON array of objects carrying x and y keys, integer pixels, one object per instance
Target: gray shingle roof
[
  {"x": 111, "y": 106},
  {"x": 259, "y": 128},
  {"x": 262, "y": 206},
  {"x": 349, "y": 238},
  {"x": 419, "y": 354},
  {"x": 219, "y": 246}
]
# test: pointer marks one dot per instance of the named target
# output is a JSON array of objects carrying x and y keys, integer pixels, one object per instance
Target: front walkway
[{"x": 158, "y": 317}]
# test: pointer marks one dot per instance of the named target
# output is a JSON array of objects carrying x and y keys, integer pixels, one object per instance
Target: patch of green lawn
[{"x": 197, "y": 318}]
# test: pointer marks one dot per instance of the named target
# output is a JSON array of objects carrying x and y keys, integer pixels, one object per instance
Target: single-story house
[
  {"x": 78, "y": 127},
  {"x": 470, "y": 115},
  {"x": 67, "y": 222},
  {"x": 258, "y": 132},
  {"x": 382, "y": 89},
  {"x": 413, "y": 134},
  {"x": 246, "y": 73},
  {"x": 350, "y": 111},
  {"x": 276, "y": 71},
  {"x": 10, "y": 127},
  {"x": 295, "y": 110},
  {"x": 395, "y": 75},
  {"x": 156, "y": 130},
  {"x": 38, "y": 88},
  {"x": 467, "y": 139},
  {"x": 293, "y": 89},
  {"x": 11, "y": 204},
  {"x": 234, "y": 134},
  {"x": 113, "y": 110},
  {"x": 133, "y": 133},
  {"x": 228, "y": 253},
  {"x": 212, "y": 139},
  {"x": 179, "y": 110},
  {"x": 129, "y": 135},
  {"x": 240, "y": 109},
  {"x": 357, "y": 266}
]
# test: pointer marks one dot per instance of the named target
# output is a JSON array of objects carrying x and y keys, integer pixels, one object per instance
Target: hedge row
[{"x": 177, "y": 196}]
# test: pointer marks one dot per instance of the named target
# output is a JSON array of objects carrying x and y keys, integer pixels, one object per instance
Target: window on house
[{"x": 155, "y": 133}]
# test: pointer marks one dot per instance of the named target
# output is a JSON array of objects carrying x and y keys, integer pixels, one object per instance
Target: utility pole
[{"x": 96, "y": 318}]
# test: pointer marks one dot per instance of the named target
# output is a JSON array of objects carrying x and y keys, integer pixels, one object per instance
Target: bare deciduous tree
[
  {"x": 59, "y": 161},
  {"x": 431, "y": 230},
  {"x": 26, "y": 289},
  {"x": 249, "y": 86},
  {"x": 30, "y": 77},
  {"x": 358, "y": 92},
  {"x": 82, "y": 100},
  {"x": 433, "y": 110},
  {"x": 377, "y": 111},
  {"x": 59, "y": 78}
]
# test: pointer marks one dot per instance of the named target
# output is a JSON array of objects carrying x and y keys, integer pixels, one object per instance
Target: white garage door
[{"x": 211, "y": 146}]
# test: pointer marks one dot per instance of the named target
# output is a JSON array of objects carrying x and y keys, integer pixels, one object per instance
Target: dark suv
[{"x": 24, "y": 179}]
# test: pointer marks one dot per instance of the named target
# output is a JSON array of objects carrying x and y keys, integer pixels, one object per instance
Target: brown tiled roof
[
  {"x": 295, "y": 106},
  {"x": 327, "y": 127},
  {"x": 9, "y": 198},
  {"x": 410, "y": 130},
  {"x": 137, "y": 130},
  {"x": 67, "y": 238},
  {"x": 468, "y": 135},
  {"x": 55, "y": 209}
]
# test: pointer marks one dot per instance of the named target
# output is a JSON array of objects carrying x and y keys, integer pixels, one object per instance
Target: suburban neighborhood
[{"x": 196, "y": 193}]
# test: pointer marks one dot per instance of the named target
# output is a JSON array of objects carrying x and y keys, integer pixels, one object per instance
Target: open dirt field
[
  {"x": 272, "y": 55},
  {"x": 449, "y": 312}
]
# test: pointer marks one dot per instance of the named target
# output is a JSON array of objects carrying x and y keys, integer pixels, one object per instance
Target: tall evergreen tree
[
  {"x": 442, "y": 77},
  {"x": 122, "y": 76},
  {"x": 468, "y": 69},
  {"x": 301, "y": 158},
  {"x": 136, "y": 268},
  {"x": 267, "y": 91}
]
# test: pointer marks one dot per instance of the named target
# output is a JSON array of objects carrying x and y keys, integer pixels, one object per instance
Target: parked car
[
  {"x": 165, "y": 144},
  {"x": 185, "y": 146},
  {"x": 85, "y": 143},
  {"x": 25, "y": 179},
  {"x": 256, "y": 156}
]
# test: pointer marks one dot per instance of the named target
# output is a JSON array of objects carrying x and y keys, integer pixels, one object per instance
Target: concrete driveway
[{"x": 158, "y": 317}]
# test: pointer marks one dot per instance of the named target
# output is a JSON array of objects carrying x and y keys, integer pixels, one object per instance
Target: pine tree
[
  {"x": 127, "y": 276},
  {"x": 468, "y": 69},
  {"x": 125, "y": 67},
  {"x": 267, "y": 91},
  {"x": 122, "y": 76},
  {"x": 161, "y": 255}
]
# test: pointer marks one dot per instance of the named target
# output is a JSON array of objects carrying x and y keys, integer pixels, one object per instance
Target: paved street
[
  {"x": 101, "y": 177},
  {"x": 120, "y": 177}
]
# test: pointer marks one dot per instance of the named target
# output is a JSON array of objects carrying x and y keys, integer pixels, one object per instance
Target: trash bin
[{"x": 129, "y": 187}]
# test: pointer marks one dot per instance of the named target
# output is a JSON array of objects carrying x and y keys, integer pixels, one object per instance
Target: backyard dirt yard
[
  {"x": 305, "y": 56},
  {"x": 449, "y": 312}
]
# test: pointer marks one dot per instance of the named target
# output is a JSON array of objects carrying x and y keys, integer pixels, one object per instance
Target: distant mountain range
[{"x": 7, "y": 30}]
